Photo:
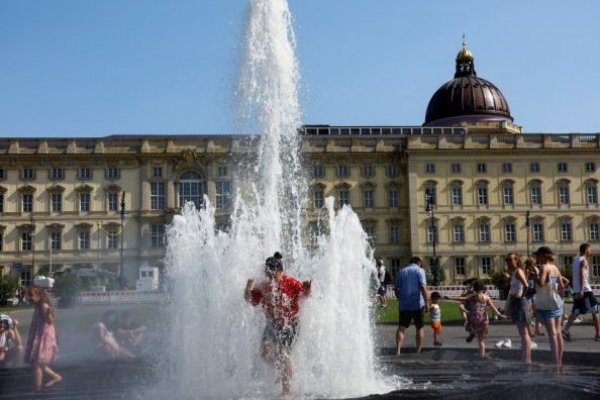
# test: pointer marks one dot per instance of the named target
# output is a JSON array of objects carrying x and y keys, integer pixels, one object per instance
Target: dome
[{"x": 466, "y": 97}]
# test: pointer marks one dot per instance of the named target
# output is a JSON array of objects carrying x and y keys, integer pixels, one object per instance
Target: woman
[
  {"x": 549, "y": 302},
  {"x": 517, "y": 306},
  {"x": 105, "y": 330},
  {"x": 42, "y": 343}
]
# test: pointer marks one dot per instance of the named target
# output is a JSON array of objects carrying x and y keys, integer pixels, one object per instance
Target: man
[
  {"x": 384, "y": 280},
  {"x": 411, "y": 291},
  {"x": 279, "y": 297},
  {"x": 584, "y": 300}
]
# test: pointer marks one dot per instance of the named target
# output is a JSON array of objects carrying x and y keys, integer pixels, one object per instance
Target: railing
[{"x": 120, "y": 297}]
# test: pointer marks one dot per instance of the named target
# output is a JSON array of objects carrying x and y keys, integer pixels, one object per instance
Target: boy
[{"x": 435, "y": 315}]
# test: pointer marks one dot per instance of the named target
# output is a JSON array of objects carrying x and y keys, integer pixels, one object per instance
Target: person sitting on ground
[
  {"x": 476, "y": 305},
  {"x": 129, "y": 333},
  {"x": 107, "y": 342},
  {"x": 11, "y": 344}
]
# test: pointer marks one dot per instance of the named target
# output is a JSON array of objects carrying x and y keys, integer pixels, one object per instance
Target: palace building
[{"x": 461, "y": 190}]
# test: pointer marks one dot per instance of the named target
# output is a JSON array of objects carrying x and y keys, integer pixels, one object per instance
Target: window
[
  {"x": 567, "y": 260},
  {"x": 223, "y": 195},
  {"x": 318, "y": 171},
  {"x": 566, "y": 230},
  {"x": 393, "y": 198},
  {"x": 113, "y": 201},
  {"x": 319, "y": 198},
  {"x": 534, "y": 167},
  {"x": 510, "y": 232},
  {"x": 391, "y": 170},
  {"x": 432, "y": 234},
  {"x": 459, "y": 265},
  {"x": 27, "y": 202},
  {"x": 486, "y": 265},
  {"x": 157, "y": 172},
  {"x": 27, "y": 174},
  {"x": 112, "y": 239},
  {"x": 2, "y": 174},
  {"x": 368, "y": 198},
  {"x": 368, "y": 171},
  {"x": 458, "y": 232},
  {"x": 222, "y": 171},
  {"x": 457, "y": 196},
  {"x": 594, "y": 231},
  {"x": 507, "y": 168},
  {"x": 84, "y": 240},
  {"x": 455, "y": 168},
  {"x": 1, "y": 203},
  {"x": 55, "y": 240},
  {"x": 1, "y": 240},
  {"x": 26, "y": 243},
  {"x": 481, "y": 168},
  {"x": 112, "y": 173},
  {"x": 370, "y": 231},
  {"x": 394, "y": 234},
  {"x": 563, "y": 193},
  {"x": 158, "y": 235},
  {"x": 84, "y": 173},
  {"x": 84, "y": 201},
  {"x": 536, "y": 193},
  {"x": 430, "y": 194},
  {"x": 57, "y": 173},
  {"x": 395, "y": 264},
  {"x": 157, "y": 196},
  {"x": 344, "y": 197},
  {"x": 595, "y": 261},
  {"x": 191, "y": 188},
  {"x": 591, "y": 190},
  {"x": 482, "y": 194},
  {"x": 430, "y": 168},
  {"x": 537, "y": 228},
  {"x": 508, "y": 193},
  {"x": 590, "y": 167},
  {"x": 484, "y": 232},
  {"x": 56, "y": 202},
  {"x": 562, "y": 167},
  {"x": 342, "y": 171}
]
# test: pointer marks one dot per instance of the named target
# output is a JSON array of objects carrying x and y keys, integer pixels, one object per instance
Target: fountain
[{"x": 216, "y": 335}]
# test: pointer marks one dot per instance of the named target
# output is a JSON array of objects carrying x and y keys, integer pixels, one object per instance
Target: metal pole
[
  {"x": 31, "y": 234},
  {"x": 50, "y": 266},
  {"x": 527, "y": 228},
  {"x": 121, "y": 281},
  {"x": 429, "y": 207}
]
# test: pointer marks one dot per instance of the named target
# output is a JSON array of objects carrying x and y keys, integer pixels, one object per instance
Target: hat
[{"x": 543, "y": 250}]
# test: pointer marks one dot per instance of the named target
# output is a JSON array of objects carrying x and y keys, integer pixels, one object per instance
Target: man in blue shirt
[{"x": 411, "y": 292}]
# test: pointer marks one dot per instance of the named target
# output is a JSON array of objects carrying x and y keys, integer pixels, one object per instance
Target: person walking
[
  {"x": 279, "y": 297},
  {"x": 517, "y": 306},
  {"x": 42, "y": 343},
  {"x": 411, "y": 292},
  {"x": 584, "y": 300},
  {"x": 549, "y": 302}
]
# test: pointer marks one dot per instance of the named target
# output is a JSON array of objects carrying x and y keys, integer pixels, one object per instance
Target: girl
[
  {"x": 42, "y": 343},
  {"x": 478, "y": 322},
  {"x": 517, "y": 306}
]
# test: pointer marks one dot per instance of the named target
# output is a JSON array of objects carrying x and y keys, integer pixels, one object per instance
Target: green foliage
[
  {"x": 498, "y": 278},
  {"x": 567, "y": 271},
  {"x": 67, "y": 287},
  {"x": 8, "y": 289}
]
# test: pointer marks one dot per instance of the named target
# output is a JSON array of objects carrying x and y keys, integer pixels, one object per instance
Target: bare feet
[{"x": 53, "y": 381}]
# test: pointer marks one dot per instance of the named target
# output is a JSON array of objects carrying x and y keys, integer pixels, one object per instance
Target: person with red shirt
[{"x": 279, "y": 297}]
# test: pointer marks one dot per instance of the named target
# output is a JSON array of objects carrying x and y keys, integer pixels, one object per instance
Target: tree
[
  {"x": 8, "y": 289},
  {"x": 67, "y": 287}
]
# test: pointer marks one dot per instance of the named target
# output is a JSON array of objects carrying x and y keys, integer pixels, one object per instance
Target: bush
[
  {"x": 8, "y": 289},
  {"x": 67, "y": 287},
  {"x": 498, "y": 278}
]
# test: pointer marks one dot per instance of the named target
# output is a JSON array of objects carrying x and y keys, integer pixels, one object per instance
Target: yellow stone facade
[{"x": 487, "y": 180}]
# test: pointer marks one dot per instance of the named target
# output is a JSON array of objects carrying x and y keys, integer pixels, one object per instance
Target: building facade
[{"x": 461, "y": 191}]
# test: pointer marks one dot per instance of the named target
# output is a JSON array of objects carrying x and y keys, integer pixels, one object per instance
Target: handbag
[{"x": 547, "y": 297}]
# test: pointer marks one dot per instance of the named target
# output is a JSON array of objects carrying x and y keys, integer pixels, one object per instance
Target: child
[
  {"x": 435, "y": 315},
  {"x": 478, "y": 322}
]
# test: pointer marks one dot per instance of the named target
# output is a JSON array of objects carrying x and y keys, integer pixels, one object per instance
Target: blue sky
[{"x": 99, "y": 67}]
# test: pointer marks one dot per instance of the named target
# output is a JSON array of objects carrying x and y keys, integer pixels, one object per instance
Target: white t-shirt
[
  {"x": 586, "y": 276},
  {"x": 381, "y": 273}
]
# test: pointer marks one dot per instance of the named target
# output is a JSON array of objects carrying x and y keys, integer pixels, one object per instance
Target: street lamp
[
  {"x": 429, "y": 208},
  {"x": 121, "y": 281}
]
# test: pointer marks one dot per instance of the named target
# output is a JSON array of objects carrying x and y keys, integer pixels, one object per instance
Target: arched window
[
  {"x": 508, "y": 192},
  {"x": 482, "y": 192},
  {"x": 591, "y": 191},
  {"x": 191, "y": 188},
  {"x": 563, "y": 191},
  {"x": 535, "y": 191}
]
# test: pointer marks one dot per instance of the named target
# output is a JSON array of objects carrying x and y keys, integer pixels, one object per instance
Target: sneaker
[
  {"x": 566, "y": 335},
  {"x": 597, "y": 338},
  {"x": 533, "y": 345},
  {"x": 500, "y": 344},
  {"x": 437, "y": 343},
  {"x": 507, "y": 344},
  {"x": 470, "y": 338}
]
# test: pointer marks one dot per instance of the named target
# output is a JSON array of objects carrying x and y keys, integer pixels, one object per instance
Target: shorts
[
  {"x": 547, "y": 315},
  {"x": 281, "y": 335},
  {"x": 585, "y": 304},
  {"x": 406, "y": 316},
  {"x": 518, "y": 310},
  {"x": 436, "y": 325},
  {"x": 381, "y": 291}
]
